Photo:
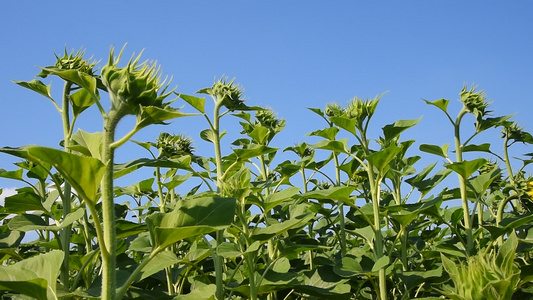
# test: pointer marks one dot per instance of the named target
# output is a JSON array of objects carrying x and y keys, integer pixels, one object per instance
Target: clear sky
[{"x": 288, "y": 55}]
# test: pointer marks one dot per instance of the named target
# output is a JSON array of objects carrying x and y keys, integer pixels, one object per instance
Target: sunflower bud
[
  {"x": 173, "y": 145},
  {"x": 70, "y": 61},
  {"x": 133, "y": 86},
  {"x": 333, "y": 110},
  {"x": 475, "y": 102}
]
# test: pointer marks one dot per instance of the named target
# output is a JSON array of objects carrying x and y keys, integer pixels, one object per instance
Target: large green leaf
[
  {"x": 341, "y": 193},
  {"x": 159, "y": 262},
  {"x": 265, "y": 233},
  {"x": 84, "y": 80},
  {"x": 253, "y": 151},
  {"x": 481, "y": 183},
  {"x": 23, "y": 202},
  {"x": 38, "y": 87},
  {"x": 182, "y": 162},
  {"x": 467, "y": 167},
  {"x": 434, "y": 149},
  {"x": 345, "y": 123},
  {"x": 196, "y": 102},
  {"x": 82, "y": 172},
  {"x": 35, "y": 276},
  {"x": 191, "y": 218},
  {"x": 328, "y": 133},
  {"x": 201, "y": 292},
  {"x": 393, "y": 130},
  {"x": 81, "y": 100},
  {"x": 338, "y": 146},
  {"x": 88, "y": 144},
  {"x": 279, "y": 197},
  {"x": 324, "y": 283},
  {"x": 155, "y": 115},
  {"x": 441, "y": 103},
  {"x": 382, "y": 158},
  {"x": 28, "y": 222}
]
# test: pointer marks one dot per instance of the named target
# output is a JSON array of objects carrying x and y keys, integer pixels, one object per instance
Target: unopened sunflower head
[
  {"x": 333, "y": 110},
  {"x": 227, "y": 93},
  {"x": 75, "y": 61},
  {"x": 360, "y": 109},
  {"x": 475, "y": 102},
  {"x": 173, "y": 145},
  {"x": 71, "y": 61},
  {"x": 135, "y": 85},
  {"x": 513, "y": 132}
]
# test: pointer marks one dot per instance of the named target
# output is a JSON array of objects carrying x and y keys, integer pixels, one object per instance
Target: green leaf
[
  {"x": 279, "y": 197},
  {"x": 82, "y": 172},
  {"x": 426, "y": 185},
  {"x": 149, "y": 115},
  {"x": 253, "y": 151},
  {"x": 164, "y": 237},
  {"x": 126, "y": 228},
  {"x": 203, "y": 292},
  {"x": 328, "y": 133},
  {"x": 508, "y": 226},
  {"x": 382, "y": 158},
  {"x": 341, "y": 193},
  {"x": 28, "y": 222},
  {"x": 381, "y": 263},
  {"x": 228, "y": 250},
  {"x": 159, "y": 262},
  {"x": 210, "y": 211},
  {"x": 81, "y": 100},
  {"x": 84, "y": 80},
  {"x": 434, "y": 149},
  {"x": 481, "y": 183},
  {"x": 281, "y": 265},
  {"x": 441, "y": 103},
  {"x": 196, "y": 102},
  {"x": 191, "y": 218},
  {"x": 38, "y": 87},
  {"x": 22, "y": 202},
  {"x": 323, "y": 282},
  {"x": 391, "y": 131},
  {"x": 182, "y": 162},
  {"x": 35, "y": 276},
  {"x": 16, "y": 175},
  {"x": 265, "y": 233},
  {"x": 88, "y": 144},
  {"x": 259, "y": 134},
  {"x": 477, "y": 148},
  {"x": 338, "y": 146},
  {"x": 209, "y": 135},
  {"x": 467, "y": 167},
  {"x": 345, "y": 123}
]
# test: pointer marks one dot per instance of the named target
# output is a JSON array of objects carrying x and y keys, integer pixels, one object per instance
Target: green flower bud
[
  {"x": 333, "y": 110},
  {"x": 475, "y": 102},
  {"x": 173, "y": 145},
  {"x": 133, "y": 86}
]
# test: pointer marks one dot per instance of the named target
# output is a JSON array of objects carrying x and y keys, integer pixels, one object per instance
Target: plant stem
[
  {"x": 108, "y": 207},
  {"x": 66, "y": 232},
  {"x": 462, "y": 183},
  {"x": 341, "y": 207},
  {"x": 218, "y": 260}
]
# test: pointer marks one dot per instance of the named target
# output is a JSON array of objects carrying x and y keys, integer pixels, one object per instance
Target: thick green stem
[
  {"x": 66, "y": 232},
  {"x": 462, "y": 184},
  {"x": 340, "y": 204},
  {"x": 108, "y": 209},
  {"x": 218, "y": 260}
]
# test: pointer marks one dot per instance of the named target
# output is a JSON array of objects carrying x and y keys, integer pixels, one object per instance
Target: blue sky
[{"x": 287, "y": 55}]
